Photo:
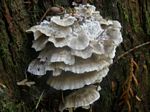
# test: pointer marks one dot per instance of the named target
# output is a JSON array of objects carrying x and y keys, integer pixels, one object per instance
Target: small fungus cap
[
  {"x": 66, "y": 21},
  {"x": 82, "y": 97}
]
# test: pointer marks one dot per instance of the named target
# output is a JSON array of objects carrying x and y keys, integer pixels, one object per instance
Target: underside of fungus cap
[
  {"x": 56, "y": 72},
  {"x": 102, "y": 75},
  {"x": 81, "y": 97},
  {"x": 82, "y": 66},
  {"x": 37, "y": 34},
  {"x": 110, "y": 51},
  {"x": 70, "y": 81},
  {"x": 40, "y": 43}
]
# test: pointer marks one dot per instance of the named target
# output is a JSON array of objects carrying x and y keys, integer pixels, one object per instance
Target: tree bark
[{"x": 125, "y": 89}]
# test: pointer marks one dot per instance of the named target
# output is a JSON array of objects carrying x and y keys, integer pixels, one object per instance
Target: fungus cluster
[{"x": 78, "y": 48}]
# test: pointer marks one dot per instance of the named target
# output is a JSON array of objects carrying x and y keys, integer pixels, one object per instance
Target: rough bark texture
[{"x": 125, "y": 89}]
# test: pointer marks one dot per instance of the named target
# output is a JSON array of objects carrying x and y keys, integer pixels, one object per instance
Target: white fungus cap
[
  {"x": 78, "y": 49},
  {"x": 85, "y": 10},
  {"x": 44, "y": 28},
  {"x": 37, "y": 68},
  {"x": 82, "y": 97},
  {"x": 66, "y": 21},
  {"x": 52, "y": 55},
  {"x": 79, "y": 40}
]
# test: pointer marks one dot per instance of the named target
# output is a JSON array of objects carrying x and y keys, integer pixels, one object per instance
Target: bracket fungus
[
  {"x": 78, "y": 49},
  {"x": 81, "y": 98}
]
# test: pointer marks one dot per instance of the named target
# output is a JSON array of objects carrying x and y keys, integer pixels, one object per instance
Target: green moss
[
  {"x": 135, "y": 26},
  {"x": 126, "y": 16},
  {"x": 9, "y": 105},
  {"x": 147, "y": 22},
  {"x": 4, "y": 50},
  {"x": 62, "y": 2},
  {"x": 123, "y": 12},
  {"x": 12, "y": 43}
]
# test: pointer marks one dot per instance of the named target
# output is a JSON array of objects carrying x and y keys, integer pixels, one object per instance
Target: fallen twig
[
  {"x": 130, "y": 50},
  {"x": 39, "y": 100},
  {"x": 25, "y": 82}
]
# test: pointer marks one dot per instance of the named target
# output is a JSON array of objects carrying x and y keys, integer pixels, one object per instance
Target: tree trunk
[{"x": 125, "y": 89}]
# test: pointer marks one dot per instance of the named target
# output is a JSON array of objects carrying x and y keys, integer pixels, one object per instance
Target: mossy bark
[{"x": 15, "y": 54}]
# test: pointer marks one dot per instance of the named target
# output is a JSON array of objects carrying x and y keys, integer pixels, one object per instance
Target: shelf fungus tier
[
  {"x": 78, "y": 49},
  {"x": 81, "y": 98},
  {"x": 70, "y": 81}
]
